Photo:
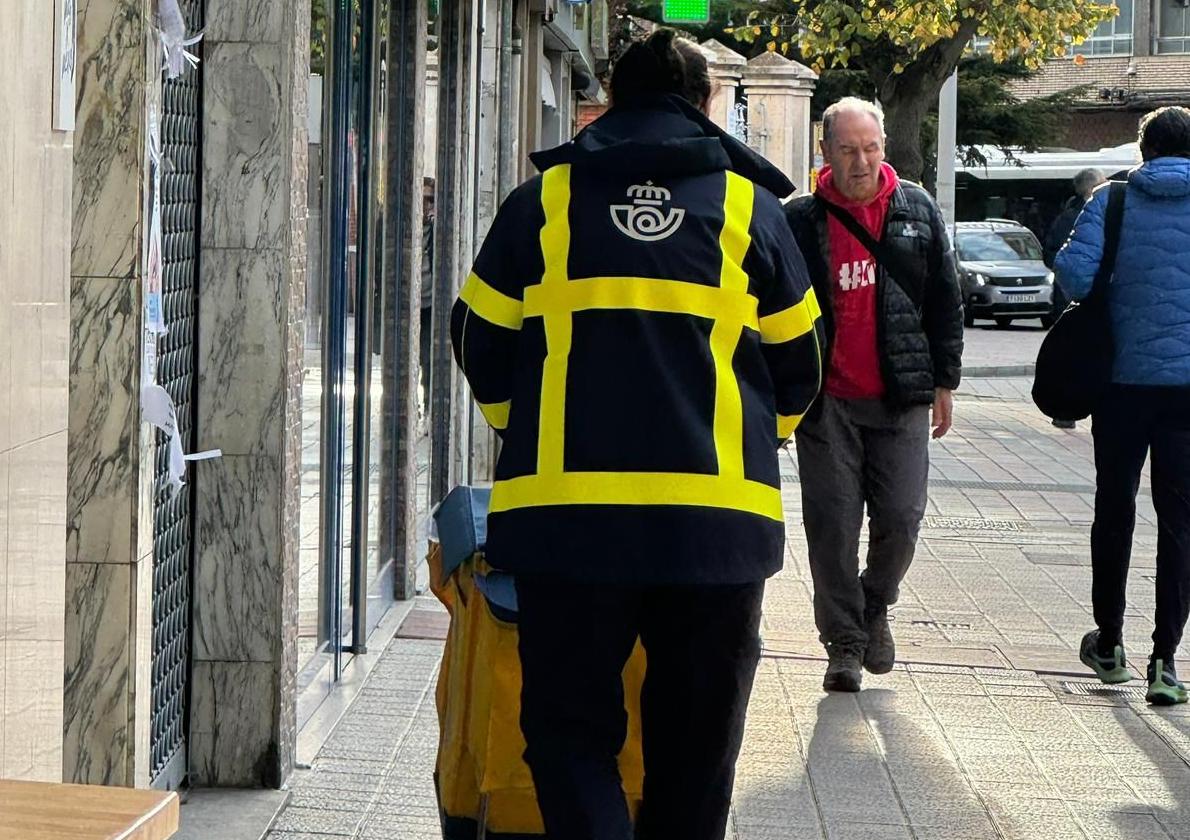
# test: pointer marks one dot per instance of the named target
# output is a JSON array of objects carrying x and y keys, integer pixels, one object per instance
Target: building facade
[
  {"x": 1138, "y": 61},
  {"x": 167, "y": 620}
]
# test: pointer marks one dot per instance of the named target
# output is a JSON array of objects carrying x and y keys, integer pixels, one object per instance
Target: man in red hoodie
[{"x": 880, "y": 259}]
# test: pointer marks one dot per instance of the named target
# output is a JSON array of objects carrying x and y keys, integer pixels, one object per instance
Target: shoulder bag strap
[
  {"x": 888, "y": 259},
  {"x": 1112, "y": 222}
]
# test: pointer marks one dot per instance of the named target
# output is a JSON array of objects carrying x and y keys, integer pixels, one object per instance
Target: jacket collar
[{"x": 661, "y": 136}]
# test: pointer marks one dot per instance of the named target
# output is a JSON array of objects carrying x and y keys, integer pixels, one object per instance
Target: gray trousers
[{"x": 857, "y": 452}]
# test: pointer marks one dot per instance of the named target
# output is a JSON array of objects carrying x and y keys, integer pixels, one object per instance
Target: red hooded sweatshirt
[{"x": 855, "y": 360}]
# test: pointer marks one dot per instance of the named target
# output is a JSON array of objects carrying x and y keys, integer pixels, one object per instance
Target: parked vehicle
[{"x": 1002, "y": 274}]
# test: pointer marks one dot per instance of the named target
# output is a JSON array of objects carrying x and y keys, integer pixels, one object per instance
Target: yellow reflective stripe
[
  {"x": 735, "y": 238},
  {"x": 787, "y": 424},
  {"x": 493, "y": 306},
  {"x": 729, "y": 405},
  {"x": 555, "y": 251},
  {"x": 605, "y": 488},
  {"x": 643, "y": 294},
  {"x": 496, "y": 413},
  {"x": 555, "y": 233},
  {"x": 791, "y": 323}
]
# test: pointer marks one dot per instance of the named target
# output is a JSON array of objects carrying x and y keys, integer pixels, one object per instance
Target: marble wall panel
[
  {"x": 98, "y": 672},
  {"x": 5, "y": 459},
  {"x": 141, "y": 705},
  {"x": 237, "y": 578},
  {"x": 3, "y": 680},
  {"x": 35, "y": 580},
  {"x": 7, "y": 410},
  {"x": 232, "y": 735},
  {"x": 35, "y": 178},
  {"x": 246, "y": 197},
  {"x": 32, "y": 711},
  {"x": 108, "y": 137},
  {"x": 110, "y": 462},
  {"x": 104, "y": 363},
  {"x": 242, "y": 342},
  {"x": 251, "y": 343},
  {"x": 234, "y": 20}
]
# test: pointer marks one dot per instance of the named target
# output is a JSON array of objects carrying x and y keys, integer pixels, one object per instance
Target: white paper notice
[
  {"x": 174, "y": 40},
  {"x": 158, "y": 410}
]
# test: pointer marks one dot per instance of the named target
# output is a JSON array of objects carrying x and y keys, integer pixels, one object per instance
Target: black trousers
[
  {"x": 702, "y": 645},
  {"x": 1138, "y": 422}
]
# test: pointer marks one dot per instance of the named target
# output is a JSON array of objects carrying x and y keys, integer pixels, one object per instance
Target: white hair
[
  {"x": 1086, "y": 181},
  {"x": 854, "y": 105}
]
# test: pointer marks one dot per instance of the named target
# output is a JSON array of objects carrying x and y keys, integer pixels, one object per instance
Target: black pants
[
  {"x": 702, "y": 645},
  {"x": 1136, "y": 422}
]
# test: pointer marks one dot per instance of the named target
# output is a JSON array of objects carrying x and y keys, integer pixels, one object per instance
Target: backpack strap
[
  {"x": 885, "y": 257},
  {"x": 1113, "y": 221}
]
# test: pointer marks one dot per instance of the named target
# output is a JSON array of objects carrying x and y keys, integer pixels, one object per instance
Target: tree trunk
[
  {"x": 904, "y": 114},
  {"x": 908, "y": 97}
]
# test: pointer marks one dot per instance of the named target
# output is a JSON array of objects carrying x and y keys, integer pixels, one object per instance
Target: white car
[{"x": 1001, "y": 273}]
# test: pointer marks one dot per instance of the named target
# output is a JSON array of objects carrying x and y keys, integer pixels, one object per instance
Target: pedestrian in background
[
  {"x": 1085, "y": 183},
  {"x": 640, "y": 329},
  {"x": 880, "y": 259},
  {"x": 1147, "y": 411}
]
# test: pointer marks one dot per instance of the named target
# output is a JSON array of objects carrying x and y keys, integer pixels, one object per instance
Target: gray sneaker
[
  {"x": 881, "y": 652},
  {"x": 843, "y": 672}
]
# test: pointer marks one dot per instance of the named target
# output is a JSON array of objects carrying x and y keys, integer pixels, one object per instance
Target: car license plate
[{"x": 1024, "y": 298}]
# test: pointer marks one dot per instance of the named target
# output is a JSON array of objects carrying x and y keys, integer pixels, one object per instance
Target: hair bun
[{"x": 661, "y": 64}]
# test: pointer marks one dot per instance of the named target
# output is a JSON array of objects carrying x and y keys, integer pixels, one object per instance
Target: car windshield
[{"x": 997, "y": 246}]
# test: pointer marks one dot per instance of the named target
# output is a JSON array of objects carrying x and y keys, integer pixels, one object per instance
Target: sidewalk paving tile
[{"x": 974, "y": 736}]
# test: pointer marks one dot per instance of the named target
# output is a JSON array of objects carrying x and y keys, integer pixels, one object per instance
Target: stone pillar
[
  {"x": 251, "y": 310},
  {"x": 109, "y": 551},
  {"x": 779, "y": 92},
  {"x": 727, "y": 68},
  {"x": 401, "y": 279}
]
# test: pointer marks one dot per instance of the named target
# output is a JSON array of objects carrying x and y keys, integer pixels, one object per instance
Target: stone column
[
  {"x": 779, "y": 92},
  {"x": 251, "y": 310},
  {"x": 401, "y": 278},
  {"x": 727, "y": 68},
  {"x": 109, "y": 551}
]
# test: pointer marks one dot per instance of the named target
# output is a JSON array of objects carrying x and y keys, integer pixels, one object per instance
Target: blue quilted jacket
[{"x": 1150, "y": 293}]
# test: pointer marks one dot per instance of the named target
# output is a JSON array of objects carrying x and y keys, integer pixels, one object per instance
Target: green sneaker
[
  {"x": 1110, "y": 669},
  {"x": 1164, "y": 688}
]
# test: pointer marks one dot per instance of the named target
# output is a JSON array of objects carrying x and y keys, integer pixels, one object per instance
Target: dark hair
[
  {"x": 1165, "y": 133},
  {"x": 662, "y": 63}
]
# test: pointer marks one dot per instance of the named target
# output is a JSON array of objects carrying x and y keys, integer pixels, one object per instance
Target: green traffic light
[{"x": 686, "y": 11}]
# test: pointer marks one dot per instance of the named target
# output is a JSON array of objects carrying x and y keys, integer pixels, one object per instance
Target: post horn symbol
[{"x": 645, "y": 219}]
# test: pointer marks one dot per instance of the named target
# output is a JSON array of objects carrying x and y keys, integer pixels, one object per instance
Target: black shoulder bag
[
  {"x": 1074, "y": 365},
  {"x": 885, "y": 257}
]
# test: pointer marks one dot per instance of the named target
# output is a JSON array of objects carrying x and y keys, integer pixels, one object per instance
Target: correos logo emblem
[{"x": 646, "y": 218}]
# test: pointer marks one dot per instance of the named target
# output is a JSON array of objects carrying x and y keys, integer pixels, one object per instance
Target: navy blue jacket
[{"x": 640, "y": 329}]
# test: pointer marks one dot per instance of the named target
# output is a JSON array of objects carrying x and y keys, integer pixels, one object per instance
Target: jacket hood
[
  {"x": 1167, "y": 177},
  {"x": 827, "y": 189},
  {"x": 660, "y": 137}
]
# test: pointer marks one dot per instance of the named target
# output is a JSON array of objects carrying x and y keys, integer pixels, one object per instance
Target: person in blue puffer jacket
[{"x": 1147, "y": 413}]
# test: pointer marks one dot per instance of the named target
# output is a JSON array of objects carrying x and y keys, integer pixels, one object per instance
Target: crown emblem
[{"x": 646, "y": 219}]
